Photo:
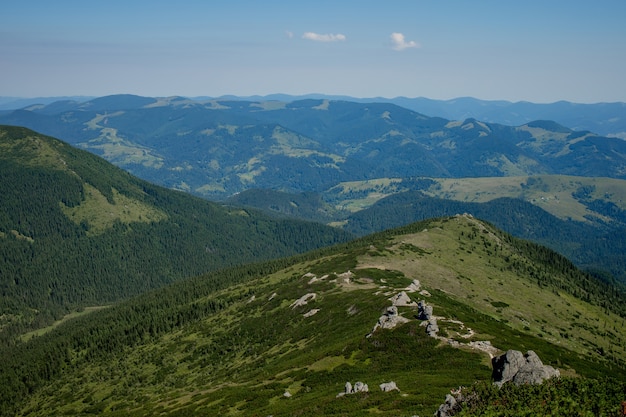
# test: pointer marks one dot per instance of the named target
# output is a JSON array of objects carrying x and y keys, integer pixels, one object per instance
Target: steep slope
[
  {"x": 77, "y": 231},
  {"x": 216, "y": 148},
  {"x": 283, "y": 338}
]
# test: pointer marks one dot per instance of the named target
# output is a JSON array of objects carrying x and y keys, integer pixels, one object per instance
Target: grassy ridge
[{"x": 207, "y": 346}]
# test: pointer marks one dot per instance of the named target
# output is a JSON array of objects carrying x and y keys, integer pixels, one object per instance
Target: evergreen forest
[{"x": 76, "y": 231}]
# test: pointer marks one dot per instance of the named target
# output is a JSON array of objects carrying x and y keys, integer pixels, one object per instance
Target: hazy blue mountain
[
  {"x": 606, "y": 119},
  {"x": 216, "y": 148},
  {"x": 14, "y": 103}
]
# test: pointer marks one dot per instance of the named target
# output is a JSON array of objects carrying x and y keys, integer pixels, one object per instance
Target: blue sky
[{"x": 540, "y": 51}]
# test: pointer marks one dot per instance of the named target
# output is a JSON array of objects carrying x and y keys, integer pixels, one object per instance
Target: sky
[{"x": 539, "y": 51}]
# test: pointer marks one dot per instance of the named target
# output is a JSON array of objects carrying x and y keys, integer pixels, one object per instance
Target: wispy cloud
[
  {"x": 398, "y": 43},
  {"x": 325, "y": 37}
]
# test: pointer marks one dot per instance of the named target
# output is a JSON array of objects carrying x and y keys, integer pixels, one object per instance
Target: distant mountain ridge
[
  {"x": 607, "y": 119},
  {"x": 216, "y": 148},
  {"x": 603, "y": 118}
]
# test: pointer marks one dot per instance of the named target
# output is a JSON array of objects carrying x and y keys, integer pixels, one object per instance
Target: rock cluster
[
  {"x": 425, "y": 313},
  {"x": 521, "y": 369},
  {"x": 353, "y": 389}
]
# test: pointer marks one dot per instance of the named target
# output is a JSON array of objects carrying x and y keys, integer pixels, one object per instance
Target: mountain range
[
  {"x": 606, "y": 119},
  {"x": 120, "y": 297},
  {"x": 348, "y": 155},
  {"x": 76, "y": 231},
  {"x": 217, "y": 148}
]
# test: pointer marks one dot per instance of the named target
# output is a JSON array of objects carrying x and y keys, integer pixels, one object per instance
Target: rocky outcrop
[
  {"x": 432, "y": 328},
  {"x": 512, "y": 366},
  {"x": 402, "y": 299},
  {"x": 521, "y": 369},
  {"x": 389, "y": 319},
  {"x": 346, "y": 277},
  {"x": 449, "y": 407},
  {"x": 311, "y": 312},
  {"x": 415, "y": 286},
  {"x": 313, "y": 278},
  {"x": 303, "y": 300},
  {"x": 424, "y": 311}
]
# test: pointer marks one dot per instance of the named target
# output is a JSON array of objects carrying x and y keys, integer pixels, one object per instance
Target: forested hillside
[
  {"x": 283, "y": 337},
  {"x": 76, "y": 231}
]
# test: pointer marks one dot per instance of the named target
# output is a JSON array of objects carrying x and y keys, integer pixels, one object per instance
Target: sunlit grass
[{"x": 97, "y": 214}]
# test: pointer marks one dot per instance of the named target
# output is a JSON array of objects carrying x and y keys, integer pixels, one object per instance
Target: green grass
[
  {"x": 98, "y": 214},
  {"x": 552, "y": 193}
]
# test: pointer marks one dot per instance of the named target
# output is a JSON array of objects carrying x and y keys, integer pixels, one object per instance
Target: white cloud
[
  {"x": 289, "y": 34},
  {"x": 326, "y": 37},
  {"x": 398, "y": 43}
]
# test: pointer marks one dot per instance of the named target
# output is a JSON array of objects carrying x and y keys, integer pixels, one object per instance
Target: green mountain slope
[
  {"x": 76, "y": 231},
  {"x": 590, "y": 246},
  {"x": 594, "y": 200},
  {"x": 283, "y": 338},
  {"x": 582, "y": 218}
]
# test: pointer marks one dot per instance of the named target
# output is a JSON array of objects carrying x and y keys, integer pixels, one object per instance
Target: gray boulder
[
  {"x": 521, "y": 369},
  {"x": 388, "y": 386},
  {"x": 359, "y": 387},
  {"x": 448, "y": 408},
  {"x": 389, "y": 320},
  {"x": 348, "y": 388},
  {"x": 353, "y": 389},
  {"x": 424, "y": 312},
  {"x": 432, "y": 328},
  {"x": 402, "y": 299}
]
